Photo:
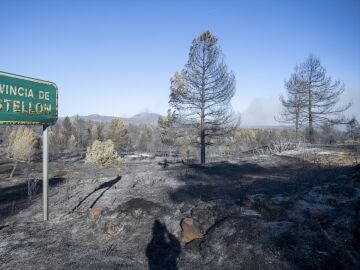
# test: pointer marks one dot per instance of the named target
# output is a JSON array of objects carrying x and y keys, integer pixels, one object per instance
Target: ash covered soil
[{"x": 268, "y": 212}]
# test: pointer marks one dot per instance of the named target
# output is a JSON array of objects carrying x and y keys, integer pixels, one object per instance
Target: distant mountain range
[
  {"x": 265, "y": 126},
  {"x": 152, "y": 119},
  {"x": 138, "y": 119}
]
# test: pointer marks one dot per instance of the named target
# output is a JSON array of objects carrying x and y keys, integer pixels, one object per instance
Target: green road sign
[{"x": 26, "y": 100}]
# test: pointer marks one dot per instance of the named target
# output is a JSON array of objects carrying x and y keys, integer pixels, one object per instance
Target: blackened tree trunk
[
  {"x": 202, "y": 147},
  {"x": 310, "y": 117}
]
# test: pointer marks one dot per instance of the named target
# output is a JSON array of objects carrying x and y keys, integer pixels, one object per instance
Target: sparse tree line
[
  {"x": 78, "y": 134},
  {"x": 201, "y": 116},
  {"x": 103, "y": 143},
  {"x": 312, "y": 100},
  {"x": 200, "y": 96}
]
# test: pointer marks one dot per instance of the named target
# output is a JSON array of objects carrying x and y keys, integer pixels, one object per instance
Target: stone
[
  {"x": 186, "y": 208},
  {"x": 110, "y": 228},
  {"x": 204, "y": 216},
  {"x": 247, "y": 201},
  {"x": 317, "y": 215},
  {"x": 274, "y": 211},
  {"x": 332, "y": 201},
  {"x": 190, "y": 230},
  {"x": 96, "y": 212}
]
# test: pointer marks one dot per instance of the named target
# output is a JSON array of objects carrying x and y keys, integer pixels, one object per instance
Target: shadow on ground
[
  {"x": 284, "y": 213},
  {"x": 223, "y": 181},
  {"x": 231, "y": 181},
  {"x": 105, "y": 186},
  {"x": 14, "y": 198},
  {"x": 163, "y": 249}
]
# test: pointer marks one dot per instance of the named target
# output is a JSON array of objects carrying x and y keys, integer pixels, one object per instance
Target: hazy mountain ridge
[
  {"x": 146, "y": 118},
  {"x": 138, "y": 119}
]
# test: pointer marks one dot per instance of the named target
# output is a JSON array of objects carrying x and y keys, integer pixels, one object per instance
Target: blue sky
[{"x": 116, "y": 57}]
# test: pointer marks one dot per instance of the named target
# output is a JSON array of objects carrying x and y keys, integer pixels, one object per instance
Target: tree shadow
[
  {"x": 229, "y": 181},
  {"x": 19, "y": 192},
  {"x": 222, "y": 180},
  {"x": 14, "y": 198},
  {"x": 226, "y": 169},
  {"x": 106, "y": 186},
  {"x": 163, "y": 249}
]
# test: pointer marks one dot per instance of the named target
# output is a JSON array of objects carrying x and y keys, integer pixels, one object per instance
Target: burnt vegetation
[{"x": 195, "y": 190}]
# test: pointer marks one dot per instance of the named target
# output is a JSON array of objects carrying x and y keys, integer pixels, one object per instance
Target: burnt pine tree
[
  {"x": 201, "y": 92},
  {"x": 322, "y": 95},
  {"x": 294, "y": 104}
]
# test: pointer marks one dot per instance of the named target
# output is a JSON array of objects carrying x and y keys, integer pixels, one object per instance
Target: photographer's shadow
[{"x": 163, "y": 249}]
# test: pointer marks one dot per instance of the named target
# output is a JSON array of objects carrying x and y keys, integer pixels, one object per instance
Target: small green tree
[
  {"x": 117, "y": 132},
  {"x": 95, "y": 132},
  {"x": 167, "y": 131},
  {"x": 67, "y": 129},
  {"x": 103, "y": 154}
]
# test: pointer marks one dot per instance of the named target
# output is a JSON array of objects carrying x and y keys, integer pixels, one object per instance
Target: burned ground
[{"x": 274, "y": 212}]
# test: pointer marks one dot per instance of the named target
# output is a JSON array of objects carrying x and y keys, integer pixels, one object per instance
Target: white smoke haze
[{"x": 261, "y": 112}]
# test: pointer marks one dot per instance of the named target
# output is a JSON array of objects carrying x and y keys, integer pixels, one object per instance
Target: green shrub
[{"x": 103, "y": 154}]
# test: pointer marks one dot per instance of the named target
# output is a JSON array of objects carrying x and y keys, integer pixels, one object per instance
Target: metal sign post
[
  {"x": 45, "y": 172},
  {"x": 29, "y": 101}
]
